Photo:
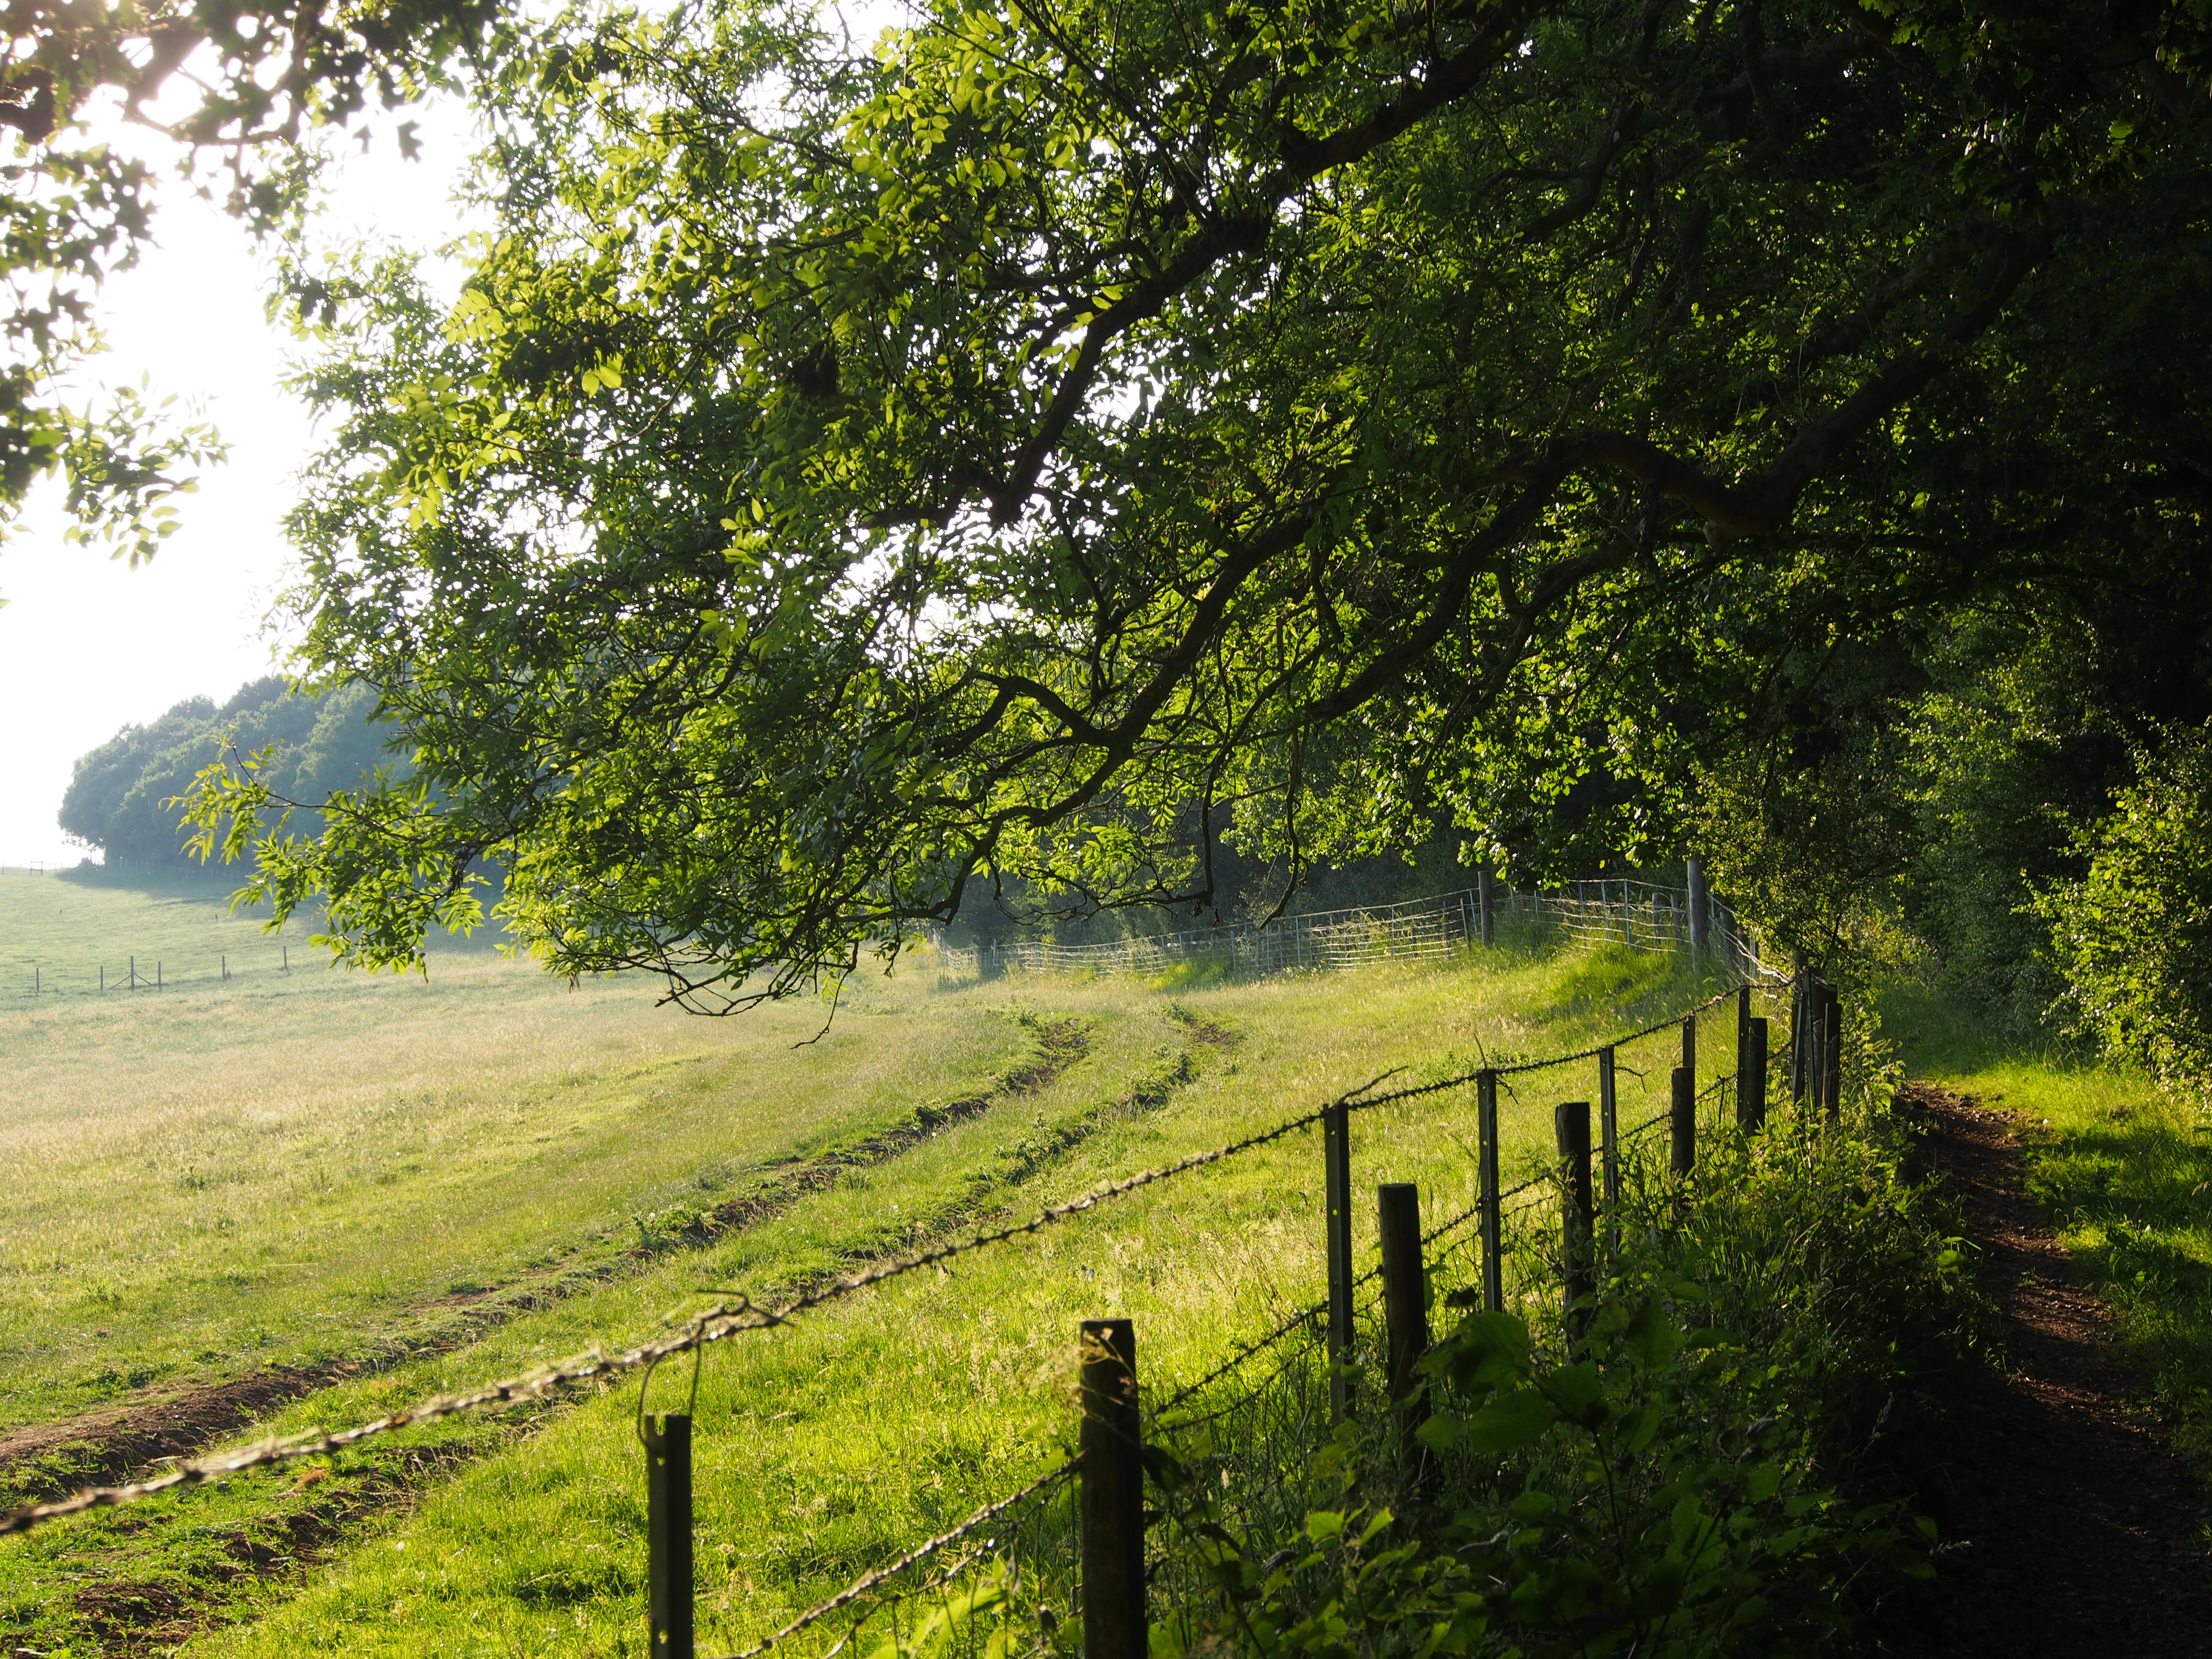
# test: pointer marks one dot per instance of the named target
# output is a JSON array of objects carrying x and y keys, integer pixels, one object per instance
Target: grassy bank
[{"x": 821, "y": 1447}]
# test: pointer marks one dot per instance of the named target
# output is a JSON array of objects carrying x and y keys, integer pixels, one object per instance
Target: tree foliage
[
  {"x": 236, "y": 85},
  {"x": 1066, "y": 439}
]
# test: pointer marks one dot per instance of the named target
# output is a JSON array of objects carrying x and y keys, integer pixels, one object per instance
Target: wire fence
[
  {"x": 1632, "y": 913},
  {"x": 132, "y": 973},
  {"x": 1024, "y": 1542},
  {"x": 1640, "y": 915}
]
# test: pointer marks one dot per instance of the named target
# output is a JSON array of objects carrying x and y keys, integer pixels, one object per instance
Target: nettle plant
[{"x": 1619, "y": 1502}]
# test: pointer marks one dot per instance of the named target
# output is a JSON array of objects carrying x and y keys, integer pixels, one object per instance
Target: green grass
[
  {"x": 2122, "y": 1169},
  {"x": 542, "y": 1122}
]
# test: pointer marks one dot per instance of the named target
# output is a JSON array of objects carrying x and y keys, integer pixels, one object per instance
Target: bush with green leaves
[{"x": 2133, "y": 937}]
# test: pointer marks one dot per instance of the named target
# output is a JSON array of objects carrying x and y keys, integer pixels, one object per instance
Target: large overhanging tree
[{"x": 1064, "y": 436}]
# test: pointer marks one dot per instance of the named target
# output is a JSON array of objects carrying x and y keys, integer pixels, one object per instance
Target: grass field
[{"x": 334, "y": 1167}]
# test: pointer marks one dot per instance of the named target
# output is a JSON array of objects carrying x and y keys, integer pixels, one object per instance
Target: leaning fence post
[
  {"x": 1570, "y": 1123},
  {"x": 1751, "y": 1078},
  {"x": 668, "y": 1535},
  {"x": 1336, "y": 1160},
  {"x": 1485, "y": 1129},
  {"x": 1112, "y": 1498},
  {"x": 1685, "y": 1124},
  {"x": 1404, "y": 1307}
]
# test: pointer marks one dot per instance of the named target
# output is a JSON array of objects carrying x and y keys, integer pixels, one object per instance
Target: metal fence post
[
  {"x": 1685, "y": 1123},
  {"x": 1482, "y": 880},
  {"x": 1694, "y": 871},
  {"x": 1336, "y": 1158},
  {"x": 1404, "y": 1307},
  {"x": 1112, "y": 1498},
  {"x": 1570, "y": 1123},
  {"x": 1486, "y": 1129},
  {"x": 1751, "y": 1081},
  {"x": 668, "y": 1535}
]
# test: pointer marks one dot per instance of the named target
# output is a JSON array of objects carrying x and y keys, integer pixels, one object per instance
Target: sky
[{"x": 88, "y": 645}]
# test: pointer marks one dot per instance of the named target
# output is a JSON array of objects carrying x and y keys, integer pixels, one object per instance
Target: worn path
[{"x": 2075, "y": 1528}]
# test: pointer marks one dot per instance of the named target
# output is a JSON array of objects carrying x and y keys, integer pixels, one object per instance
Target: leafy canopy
[
  {"x": 1064, "y": 438},
  {"x": 239, "y": 85}
]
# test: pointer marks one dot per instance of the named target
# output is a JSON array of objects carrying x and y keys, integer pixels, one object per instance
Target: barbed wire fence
[{"x": 1040, "y": 1543}]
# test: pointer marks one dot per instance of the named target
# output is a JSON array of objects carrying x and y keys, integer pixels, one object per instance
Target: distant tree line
[{"x": 119, "y": 799}]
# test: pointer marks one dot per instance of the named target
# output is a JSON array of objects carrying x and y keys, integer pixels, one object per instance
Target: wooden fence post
[
  {"x": 1751, "y": 1080},
  {"x": 1485, "y": 1129},
  {"x": 1801, "y": 1030},
  {"x": 1112, "y": 1496},
  {"x": 1404, "y": 1309},
  {"x": 668, "y": 1535},
  {"x": 1570, "y": 1123},
  {"x": 1609, "y": 1121},
  {"x": 1336, "y": 1158},
  {"x": 1690, "y": 1047},
  {"x": 1694, "y": 872},
  {"x": 1831, "y": 1052},
  {"x": 1685, "y": 1124}
]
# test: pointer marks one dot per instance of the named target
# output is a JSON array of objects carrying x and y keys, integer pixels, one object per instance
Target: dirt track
[{"x": 2075, "y": 1528}]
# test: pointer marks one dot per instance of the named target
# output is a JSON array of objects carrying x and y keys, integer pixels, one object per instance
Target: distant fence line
[
  {"x": 1595, "y": 912},
  {"x": 147, "y": 973}
]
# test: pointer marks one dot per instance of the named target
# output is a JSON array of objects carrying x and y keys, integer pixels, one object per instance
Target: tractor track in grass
[
  {"x": 40, "y": 1460},
  {"x": 2072, "y": 1526},
  {"x": 136, "y": 1613}
]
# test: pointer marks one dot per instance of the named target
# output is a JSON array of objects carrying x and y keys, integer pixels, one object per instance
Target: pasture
[{"x": 396, "y": 1186}]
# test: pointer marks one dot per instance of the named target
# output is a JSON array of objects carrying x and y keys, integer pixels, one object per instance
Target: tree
[
  {"x": 1069, "y": 437},
  {"x": 122, "y": 798},
  {"x": 240, "y": 84}
]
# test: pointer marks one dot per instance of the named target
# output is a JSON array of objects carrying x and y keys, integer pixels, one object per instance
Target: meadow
[{"x": 417, "y": 1185}]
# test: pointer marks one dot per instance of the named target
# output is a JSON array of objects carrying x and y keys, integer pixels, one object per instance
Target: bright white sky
[{"x": 88, "y": 645}]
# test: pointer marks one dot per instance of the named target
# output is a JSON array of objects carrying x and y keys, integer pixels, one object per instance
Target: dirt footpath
[{"x": 2074, "y": 1529}]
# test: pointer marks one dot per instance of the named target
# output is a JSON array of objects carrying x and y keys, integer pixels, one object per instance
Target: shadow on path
[{"x": 2075, "y": 1527}]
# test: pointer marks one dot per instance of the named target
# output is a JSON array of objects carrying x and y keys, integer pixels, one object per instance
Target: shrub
[{"x": 2133, "y": 938}]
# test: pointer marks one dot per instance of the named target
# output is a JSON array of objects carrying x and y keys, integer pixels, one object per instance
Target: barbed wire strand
[{"x": 921, "y": 1551}]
